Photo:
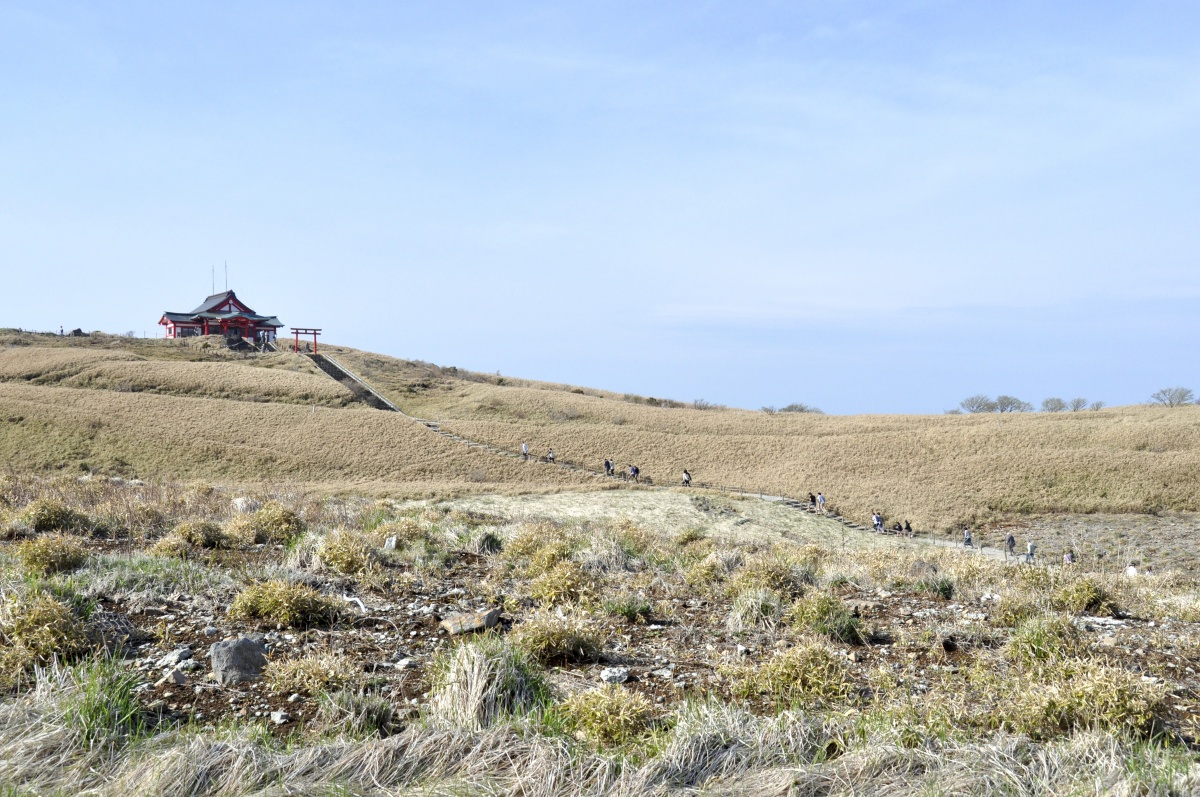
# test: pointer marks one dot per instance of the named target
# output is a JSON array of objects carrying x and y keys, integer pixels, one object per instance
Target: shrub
[
  {"x": 405, "y": 530},
  {"x": 201, "y": 534},
  {"x": 52, "y": 553},
  {"x": 285, "y": 603},
  {"x": 939, "y": 587},
  {"x": 314, "y": 674},
  {"x": 550, "y": 639},
  {"x": 1011, "y": 611},
  {"x": 173, "y": 546},
  {"x": 780, "y": 575},
  {"x": 273, "y": 523},
  {"x": 1081, "y": 695},
  {"x": 1043, "y": 638},
  {"x": 633, "y": 608},
  {"x": 611, "y": 716},
  {"x": 810, "y": 673},
  {"x": 481, "y": 681},
  {"x": 1084, "y": 594},
  {"x": 356, "y": 714},
  {"x": 350, "y": 553},
  {"x": 565, "y": 582},
  {"x": 825, "y": 614},
  {"x": 37, "y": 629},
  {"x": 754, "y": 608},
  {"x": 688, "y": 536},
  {"x": 46, "y": 514}
]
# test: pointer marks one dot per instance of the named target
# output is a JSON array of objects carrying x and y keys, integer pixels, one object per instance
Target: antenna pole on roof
[
  {"x": 214, "y": 279},
  {"x": 226, "y": 275}
]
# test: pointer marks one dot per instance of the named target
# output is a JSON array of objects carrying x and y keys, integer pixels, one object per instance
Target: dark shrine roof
[
  {"x": 206, "y": 310},
  {"x": 216, "y": 300}
]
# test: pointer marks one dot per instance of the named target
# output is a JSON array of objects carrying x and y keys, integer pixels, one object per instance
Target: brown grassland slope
[{"x": 938, "y": 471}]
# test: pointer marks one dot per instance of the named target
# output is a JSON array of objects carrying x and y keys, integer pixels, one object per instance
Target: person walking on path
[
  {"x": 967, "y": 541},
  {"x": 687, "y": 478},
  {"x": 821, "y": 503},
  {"x": 1010, "y": 546},
  {"x": 634, "y": 472},
  {"x": 908, "y": 528},
  {"x": 524, "y": 451},
  {"x": 1029, "y": 548},
  {"x": 812, "y": 503},
  {"x": 608, "y": 467},
  {"x": 550, "y": 456}
]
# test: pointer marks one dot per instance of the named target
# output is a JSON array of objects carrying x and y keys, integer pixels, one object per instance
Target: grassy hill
[
  {"x": 191, "y": 408},
  {"x": 647, "y": 643}
]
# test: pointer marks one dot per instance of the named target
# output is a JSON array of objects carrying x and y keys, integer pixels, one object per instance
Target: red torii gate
[{"x": 305, "y": 331}]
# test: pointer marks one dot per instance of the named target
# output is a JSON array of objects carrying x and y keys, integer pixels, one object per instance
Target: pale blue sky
[{"x": 869, "y": 207}]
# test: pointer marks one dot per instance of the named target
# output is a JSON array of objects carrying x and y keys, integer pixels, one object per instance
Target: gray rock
[
  {"x": 173, "y": 677},
  {"x": 614, "y": 675},
  {"x": 212, "y": 630},
  {"x": 474, "y": 621},
  {"x": 191, "y": 665},
  {"x": 280, "y": 717},
  {"x": 404, "y": 664},
  {"x": 174, "y": 657},
  {"x": 390, "y": 543},
  {"x": 237, "y": 660}
]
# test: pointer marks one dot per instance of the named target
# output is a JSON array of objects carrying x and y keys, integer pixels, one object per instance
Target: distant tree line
[
  {"x": 1167, "y": 397},
  {"x": 793, "y": 408}
]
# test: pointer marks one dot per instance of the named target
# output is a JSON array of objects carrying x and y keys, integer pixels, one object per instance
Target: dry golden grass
[
  {"x": 937, "y": 471},
  {"x": 120, "y": 371},
  {"x": 177, "y": 437}
]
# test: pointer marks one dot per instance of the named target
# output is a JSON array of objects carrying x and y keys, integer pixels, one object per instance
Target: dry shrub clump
[
  {"x": 351, "y": 553},
  {"x": 479, "y": 682},
  {"x": 550, "y": 639},
  {"x": 1077, "y": 694},
  {"x": 713, "y": 569},
  {"x": 806, "y": 674},
  {"x": 780, "y": 575},
  {"x": 1083, "y": 594},
  {"x": 754, "y": 609},
  {"x": 51, "y": 553},
  {"x": 827, "y": 615},
  {"x": 47, "y": 514},
  {"x": 314, "y": 674},
  {"x": 273, "y": 523},
  {"x": 36, "y": 629},
  {"x": 285, "y": 603},
  {"x": 407, "y": 531},
  {"x": 189, "y": 536},
  {"x": 611, "y": 716},
  {"x": 355, "y": 714},
  {"x": 1043, "y": 638},
  {"x": 565, "y": 582}
]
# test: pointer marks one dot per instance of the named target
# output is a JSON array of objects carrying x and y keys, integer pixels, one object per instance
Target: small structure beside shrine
[{"x": 222, "y": 314}]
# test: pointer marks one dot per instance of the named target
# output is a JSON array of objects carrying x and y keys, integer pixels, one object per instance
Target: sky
[{"x": 868, "y": 207}]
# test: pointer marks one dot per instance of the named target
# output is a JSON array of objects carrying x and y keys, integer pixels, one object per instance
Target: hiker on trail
[
  {"x": 967, "y": 538},
  {"x": 1029, "y": 548},
  {"x": 898, "y": 528},
  {"x": 1069, "y": 558},
  {"x": 634, "y": 472},
  {"x": 687, "y": 478},
  {"x": 550, "y": 456},
  {"x": 812, "y": 503},
  {"x": 908, "y": 528},
  {"x": 1010, "y": 546},
  {"x": 608, "y": 467},
  {"x": 524, "y": 451},
  {"x": 821, "y": 503},
  {"x": 877, "y": 521}
]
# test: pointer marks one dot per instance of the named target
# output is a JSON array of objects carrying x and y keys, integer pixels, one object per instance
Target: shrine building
[{"x": 221, "y": 314}]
